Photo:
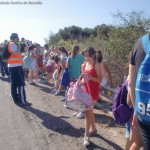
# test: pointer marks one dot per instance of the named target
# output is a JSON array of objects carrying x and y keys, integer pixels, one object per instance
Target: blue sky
[{"x": 34, "y": 22}]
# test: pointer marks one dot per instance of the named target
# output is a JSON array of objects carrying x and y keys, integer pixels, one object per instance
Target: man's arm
[
  {"x": 132, "y": 82},
  {"x": 15, "y": 49}
]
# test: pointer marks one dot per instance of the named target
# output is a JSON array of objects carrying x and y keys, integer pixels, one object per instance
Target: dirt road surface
[{"x": 47, "y": 125}]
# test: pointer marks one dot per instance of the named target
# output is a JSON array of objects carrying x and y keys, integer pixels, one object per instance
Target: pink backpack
[{"x": 77, "y": 99}]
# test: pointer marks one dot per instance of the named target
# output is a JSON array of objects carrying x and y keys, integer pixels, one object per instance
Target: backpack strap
[{"x": 146, "y": 43}]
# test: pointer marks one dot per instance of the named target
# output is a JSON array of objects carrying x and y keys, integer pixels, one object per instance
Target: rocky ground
[{"x": 47, "y": 125}]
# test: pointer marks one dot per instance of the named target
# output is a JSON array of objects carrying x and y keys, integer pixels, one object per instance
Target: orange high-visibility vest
[{"x": 14, "y": 58}]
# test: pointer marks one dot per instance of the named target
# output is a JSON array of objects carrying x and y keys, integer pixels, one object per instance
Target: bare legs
[
  {"x": 134, "y": 142},
  {"x": 30, "y": 75},
  {"x": 89, "y": 121}
]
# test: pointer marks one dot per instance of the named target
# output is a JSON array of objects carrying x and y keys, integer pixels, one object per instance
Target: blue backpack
[
  {"x": 142, "y": 90},
  {"x": 120, "y": 109},
  {"x": 65, "y": 80}
]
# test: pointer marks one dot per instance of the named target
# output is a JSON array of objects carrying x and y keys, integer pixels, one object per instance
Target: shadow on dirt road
[{"x": 56, "y": 123}]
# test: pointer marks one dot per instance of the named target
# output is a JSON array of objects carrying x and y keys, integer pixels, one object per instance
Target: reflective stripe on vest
[{"x": 14, "y": 58}]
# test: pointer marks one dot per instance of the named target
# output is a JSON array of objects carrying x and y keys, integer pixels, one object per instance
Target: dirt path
[{"x": 47, "y": 125}]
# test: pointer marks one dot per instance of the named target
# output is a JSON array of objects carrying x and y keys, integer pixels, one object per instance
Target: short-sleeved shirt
[
  {"x": 137, "y": 54},
  {"x": 75, "y": 65},
  {"x": 13, "y": 48}
]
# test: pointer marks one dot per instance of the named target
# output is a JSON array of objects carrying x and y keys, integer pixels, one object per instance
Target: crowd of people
[{"x": 43, "y": 64}]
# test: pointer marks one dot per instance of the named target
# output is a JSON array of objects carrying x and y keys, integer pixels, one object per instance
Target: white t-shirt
[{"x": 13, "y": 46}]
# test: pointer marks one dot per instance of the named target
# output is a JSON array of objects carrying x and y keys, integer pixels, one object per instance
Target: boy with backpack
[
  {"x": 139, "y": 85},
  {"x": 123, "y": 113}
]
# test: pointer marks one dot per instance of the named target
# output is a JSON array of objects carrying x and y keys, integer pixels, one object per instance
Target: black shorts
[{"x": 145, "y": 133}]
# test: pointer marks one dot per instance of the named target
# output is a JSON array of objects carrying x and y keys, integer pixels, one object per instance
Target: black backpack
[{"x": 5, "y": 53}]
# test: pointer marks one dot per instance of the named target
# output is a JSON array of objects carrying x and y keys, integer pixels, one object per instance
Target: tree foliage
[{"x": 116, "y": 40}]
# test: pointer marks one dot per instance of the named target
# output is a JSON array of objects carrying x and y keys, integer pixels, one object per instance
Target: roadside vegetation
[{"x": 115, "y": 40}]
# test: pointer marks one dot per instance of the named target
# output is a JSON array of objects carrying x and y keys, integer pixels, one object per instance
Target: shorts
[
  {"x": 145, "y": 133},
  {"x": 33, "y": 65}
]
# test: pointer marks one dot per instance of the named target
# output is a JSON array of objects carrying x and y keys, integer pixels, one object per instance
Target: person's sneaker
[
  {"x": 42, "y": 81},
  {"x": 62, "y": 99},
  {"x": 80, "y": 115},
  {"x": 20, "y": 104},
  {"x": 75, "y": 114},
  {"x": 53, "y": 91},
  {"x": 65, "y": 106},
  {"x": 57, "y": 93},
  {"x": 41, "y": 75},
  {"x": 86, "y": 141},
  {"x": 127, "y": 134},
  {"x": 28, "y": 104},
  {"x": 17, "y": 103},
  {"x": 31, "y": 83}
]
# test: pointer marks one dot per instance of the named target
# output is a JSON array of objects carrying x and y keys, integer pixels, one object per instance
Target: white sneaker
[
  {"x": 86, "y": 141},
  {"x": 57, "y": 93},
  {"x": 80, "y": 115},
  {"x": 75, "y": 114},
  {"x": 38, "y": 80},
  {"x": 41, "y": 75},
  {"x": 53, "y": 91},
  {"x": 65, "y": 106},
  {"x": 42, "y": 81}
]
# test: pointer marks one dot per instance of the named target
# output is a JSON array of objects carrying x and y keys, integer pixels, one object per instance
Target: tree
[
  {"x": 122, "y": 38},
  {"x": 116, "y": 40}
]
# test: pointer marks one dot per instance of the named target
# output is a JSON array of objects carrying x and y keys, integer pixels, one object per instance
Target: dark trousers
[
  {"x": 17, "y": 84},
  {"x": 145, "y": 133},
  {"x": 4, "y": 68}
]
